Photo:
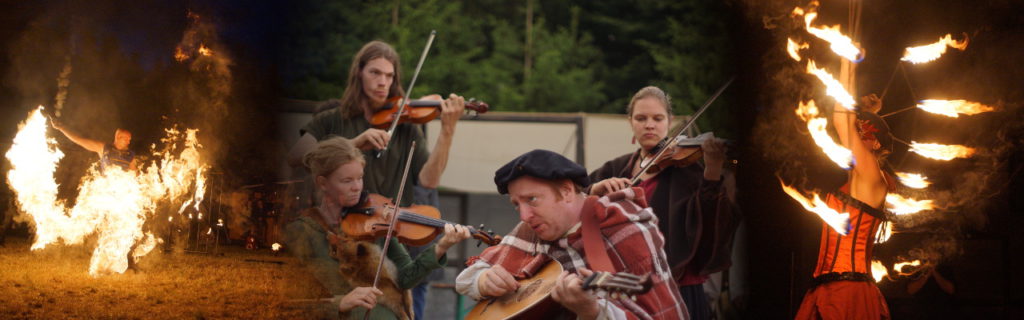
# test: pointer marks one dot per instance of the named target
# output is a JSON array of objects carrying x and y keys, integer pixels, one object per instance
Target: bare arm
[
  {"x": 88, "y": 144},
  {"x": 451, "y": 110},
  {"x": 866, "y": 180}
]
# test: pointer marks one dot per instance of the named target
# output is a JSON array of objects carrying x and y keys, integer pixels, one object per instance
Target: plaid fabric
[{"x": 630, "y": 231}]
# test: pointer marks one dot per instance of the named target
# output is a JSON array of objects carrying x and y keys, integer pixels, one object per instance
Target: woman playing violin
[
  {"x": 693, "y": 210},
  {"x": 338, "y": 167},
  {"x": 374, "y": 78}
]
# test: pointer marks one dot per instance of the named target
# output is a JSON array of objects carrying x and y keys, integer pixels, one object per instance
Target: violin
[
  {"x": 415, "y": 111},
  {"x": 684, "y": 152},
  {"x": 417, "y": 225}
]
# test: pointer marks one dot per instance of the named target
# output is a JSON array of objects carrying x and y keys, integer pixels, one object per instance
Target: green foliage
[{"x": 586, "y": 56}]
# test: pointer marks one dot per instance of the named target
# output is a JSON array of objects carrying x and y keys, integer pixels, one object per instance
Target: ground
[{"x": 54, "y": 283}]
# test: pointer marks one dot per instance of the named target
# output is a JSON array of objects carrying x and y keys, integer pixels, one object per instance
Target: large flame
[
  {"x": 878, "y": 270},
  {"x": 793, "y": 48},
  {"x": 913, "y": 180},
  {"x": 838, "y": 221},
  {"x": 112, "y": 204},
  {"x": 926, "y": 53},
  {"x": 953, "y": 108},
  {"x": 832, "y": 86},
  {"x": 817, "y": 126},
  {"x": 941, "y": 151},
  {"x": 900, "y": 205}
]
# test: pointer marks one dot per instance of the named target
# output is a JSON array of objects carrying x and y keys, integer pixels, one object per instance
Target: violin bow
[
  {"x": 405, "y": 97},
  {"x": 394, "y": 220},
  {"x": 693, "y": 119}
]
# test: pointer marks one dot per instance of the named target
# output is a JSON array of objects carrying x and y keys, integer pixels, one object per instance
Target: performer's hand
[
  {"x": 496, "y": 282},
  {"x": 372, "y": 139},
  {"x": 452, "y": 235},
  {"x": 569, "y": 292},
  {"x": 870, "y": 103},
  {"x": 609, "y": 185},
  {"x": 365, "y": 297},
  {"x": 56, "y": 124},
  {"x": 451, "y": 109}
]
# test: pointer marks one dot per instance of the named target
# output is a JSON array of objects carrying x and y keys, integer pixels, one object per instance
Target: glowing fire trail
[
  {"x": 817, "y": 126},
  {"x": 899, "y": 266},
  {"x": 832, "y": 86},
  {"x": 953, "y": 108},
  {"x": 913, "y": 180},
  {"x": 878, "y": 270},
  {"x": 900, "y": 205},
  {"x": 113, "y": 204},
  {"x": 793, "y": 48},
  {"x": 941, "y": 151},
  {"x": 838, "y": 221},
  {"x": 927, "y": 53}
]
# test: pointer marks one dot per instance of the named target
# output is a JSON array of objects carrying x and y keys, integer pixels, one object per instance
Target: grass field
[{"x": 54, "y": 283}]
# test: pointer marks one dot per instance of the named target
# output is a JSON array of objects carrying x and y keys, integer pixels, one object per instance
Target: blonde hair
[
  {"x": 331, "y": 154},
  {"x": 651, "y": 92}
]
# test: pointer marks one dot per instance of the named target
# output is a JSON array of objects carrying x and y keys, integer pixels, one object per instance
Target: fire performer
[
  {"x": 547, "y": 191},
  {"x": 116, "y": 154},
  {"x": 693, "y": 210},
  {"x": 843, "y": 287},
  {"x": 338, "y": 168}
]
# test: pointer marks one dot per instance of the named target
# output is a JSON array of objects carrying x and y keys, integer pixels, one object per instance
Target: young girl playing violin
[
  {"x": 338, "y": 169},
  {"x": 692, "y": 208}
]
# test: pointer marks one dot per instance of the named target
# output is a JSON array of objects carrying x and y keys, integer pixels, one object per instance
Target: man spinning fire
[
  {"x": 843, "y": 287},
  {"x": 116, "y": 154}
]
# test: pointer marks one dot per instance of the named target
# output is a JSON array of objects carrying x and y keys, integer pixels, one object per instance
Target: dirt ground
[{"x": 54, "y": 283}]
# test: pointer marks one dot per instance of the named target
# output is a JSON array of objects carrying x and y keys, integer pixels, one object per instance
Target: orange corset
[{"x": 852, "y": 252}]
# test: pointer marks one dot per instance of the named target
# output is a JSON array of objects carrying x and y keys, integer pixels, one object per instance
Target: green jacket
[{"x": 307, "y": 240}]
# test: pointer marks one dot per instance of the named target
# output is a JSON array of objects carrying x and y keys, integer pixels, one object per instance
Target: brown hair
[
  {"x": 353, "y": 98},
  {"x": 331, "y": 154},
  {"x": 556, "y": 184},
  {"x": 650, "y": 92}
]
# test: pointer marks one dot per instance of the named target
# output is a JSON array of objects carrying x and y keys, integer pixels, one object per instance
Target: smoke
[{"x": 63, "y": 81}]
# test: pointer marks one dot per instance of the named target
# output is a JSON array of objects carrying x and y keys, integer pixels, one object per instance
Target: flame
[
  {"x": 839, "y": 43},
  {"x": 899, "y": 205},
  {"x": 832, "y": 86},
  {"x": 817, "y": 126},
  {"x": 180, "y": 55},
  {"x": 793, "y": 48},
  {"x": 941, "y": 151},
  {"x": 838, "y": 221},
  {"x": 203, "y": 50},
  {"x": 953, "y": 108},
  {"x": 878, "y": 270},
  {"x": 926, "y": 53},
  {"x": 899, "y": 266},
  {"x": 884, "y": 233},
  {"x": 113, "y": 204},
  {"x": 220, "y": 222},
  {"x": 209, "y": 230},
  {"x": 276, "y": 246},
  {"x": 913, "y": 180}
]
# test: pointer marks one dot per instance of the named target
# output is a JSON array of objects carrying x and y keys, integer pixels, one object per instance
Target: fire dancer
[
  {"x": 843, "y": 287},
  {"x": 338, "y": 168},
  {"x": 116, "y": 154},
  {"x": 547, "y": 190},
  {"x": 694, "y": 212}
]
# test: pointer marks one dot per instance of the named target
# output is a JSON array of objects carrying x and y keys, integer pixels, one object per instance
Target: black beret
[{"x": 542, "y": 164}]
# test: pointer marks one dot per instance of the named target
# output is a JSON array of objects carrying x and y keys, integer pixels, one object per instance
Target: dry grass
[{"x": 54, "y": 283}]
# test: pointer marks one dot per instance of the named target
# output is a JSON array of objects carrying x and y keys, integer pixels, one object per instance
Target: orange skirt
[{"x": 844, "y": 300}]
